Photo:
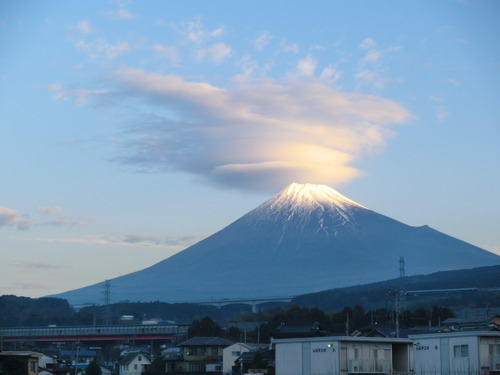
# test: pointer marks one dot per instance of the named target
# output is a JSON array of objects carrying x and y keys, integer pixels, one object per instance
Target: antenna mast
[{"x": 107, "y": 302}]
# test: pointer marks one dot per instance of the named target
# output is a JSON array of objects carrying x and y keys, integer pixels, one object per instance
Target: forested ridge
[{"x": 28, "y": 312}]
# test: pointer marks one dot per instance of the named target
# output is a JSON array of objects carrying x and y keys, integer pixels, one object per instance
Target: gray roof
[
  {"x": 129, "y": 357},
  {"x": 207, "y": 341}
]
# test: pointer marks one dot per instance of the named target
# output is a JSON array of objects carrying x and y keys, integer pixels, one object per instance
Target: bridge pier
[{"x": 255, "y": 308}]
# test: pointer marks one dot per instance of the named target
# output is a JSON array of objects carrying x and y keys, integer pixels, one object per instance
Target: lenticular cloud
[{"x": 258, "y": 134}]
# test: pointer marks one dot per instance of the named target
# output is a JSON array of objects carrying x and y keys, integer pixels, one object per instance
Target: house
[
  {"x": 298, "y": 330},
  {"x": 199, "y": 354},
  {"x": 133, "y": 363},
  {"x": 258, "y": 361},
  {"x": 464, "y": 352},
  {"x": 473, "y": 323},
  {"x": 388, "y": 330},
  {"x": 342, "y": 355},
  {"x": 231, "y": 353},
  {"x": 15, "y": 360}
]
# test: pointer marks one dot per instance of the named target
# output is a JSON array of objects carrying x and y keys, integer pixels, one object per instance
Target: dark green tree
[
  {"x": 93, "y": 368},
  {"x": 157, "y": 367},
  {"x": 205, "y": 327},
  {"x": 13, "y": 366}
]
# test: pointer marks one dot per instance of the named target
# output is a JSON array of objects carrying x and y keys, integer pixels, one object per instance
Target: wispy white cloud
[
  {"x": 102, "y": 50},
  {"x": 12, "y": 218},
  {"x": 38, "y": 265},
  {"x": 436, "y": 99},
  {"x": 217, "y": 32},
  {"x": 169, "y": 52},
  {"x": 371, "y": 57},
  {"x": 79, "y": 96},
  {"x": 261, "y": 134},
  {"x": 371, "y": 78},
  {"x": 59, "y": 217},
  {"x": 170, "y": 241},
  {"x": 262, "y": 40},
  {"x": 289, "y": 47},
  {"x": 84, "y": 27},
  {"x": 330, "y": 73},
  {"x": 442, "y": 114},
  {"x": 175, "y": 243},
  {"x": 121, "y": 14},
  {"x": 306, "y": 67},
  {"x": 367, "y": 43},
  {"x": 216, "y": 53},
  {"x": 250, "y": 68},
  {"x": 193, "y": 31}
]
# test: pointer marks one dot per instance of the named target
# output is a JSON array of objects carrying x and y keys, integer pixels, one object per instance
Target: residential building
[
  {"x": 461, "y": 353},
  {"x": 199, "y": 354},
  {"x": 231, "y": 353},
  {"x": 284, "y": 331},
  {"x": 15, "y": 360},
  {"x": 342, "y": 355},
  {"x": 473, "y": 323},
  {"x": 134, "y": 363},
  {"x": 255, "y": 362}
]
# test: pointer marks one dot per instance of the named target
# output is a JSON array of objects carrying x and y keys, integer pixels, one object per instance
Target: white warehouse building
[
  {"x": 342, "y": 355},
  {"x": 457, "y": 353}
]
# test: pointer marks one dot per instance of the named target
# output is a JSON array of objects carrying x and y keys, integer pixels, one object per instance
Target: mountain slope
[
  {"x": 459, "y": 289},
  {"x": 306, "y": 238}
]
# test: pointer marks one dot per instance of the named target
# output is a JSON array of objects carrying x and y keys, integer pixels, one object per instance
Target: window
[
  {"x": 33, "y": 366},
  {"x": 195, "y": 367},
  {"x": 494, "y": 349},
  {"x": 356, "y": 353},
  {"x": 139, "y": 358},
  {"x": 235, "y": 354},
  {"x": 215, "y": 351},
  {"x": 461, "y": 351},
  {"x": 135, "y": 366}
]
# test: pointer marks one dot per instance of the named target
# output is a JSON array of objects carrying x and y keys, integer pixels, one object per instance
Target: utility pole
[
  {"x": 402, "y": 283},
  {"x": 107, "y": 302},
  {"x": 399, "y": 295},
  {"x": 347, "y": 325},
  {"x": 396, "y": 294}
]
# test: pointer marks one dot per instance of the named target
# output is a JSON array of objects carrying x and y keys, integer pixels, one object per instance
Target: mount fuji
[{"x": 305, "y": 239}]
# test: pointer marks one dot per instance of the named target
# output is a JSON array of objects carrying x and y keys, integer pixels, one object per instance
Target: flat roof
[
  {"x": 20, "y": 354},
  {"x": 387, "y": 340},
  {"x": 456, "y": 334}
]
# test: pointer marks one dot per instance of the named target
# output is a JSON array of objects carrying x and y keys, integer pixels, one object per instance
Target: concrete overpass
[
  {"x": 92, "y": 333},
  {"x": 254, "y": 302}
]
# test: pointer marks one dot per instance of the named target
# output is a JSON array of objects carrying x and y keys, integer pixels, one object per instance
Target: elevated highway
[
  {"x": 93, "y": 333},
  {"x": 254, "y": 302}
]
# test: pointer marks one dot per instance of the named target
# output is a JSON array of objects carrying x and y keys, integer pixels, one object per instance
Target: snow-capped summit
[
  {"x": 311, "y": 195},
  {"x": 318, "y": 207},
  {"x": 307, "y": 238}
]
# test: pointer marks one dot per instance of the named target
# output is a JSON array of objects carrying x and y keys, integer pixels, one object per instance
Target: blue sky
[{"x": 132, "y": 129}]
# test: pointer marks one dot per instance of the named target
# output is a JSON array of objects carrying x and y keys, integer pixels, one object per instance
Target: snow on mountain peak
[
  {"x": 308, "y": 205},
  {"x": 312, "y": 194}
]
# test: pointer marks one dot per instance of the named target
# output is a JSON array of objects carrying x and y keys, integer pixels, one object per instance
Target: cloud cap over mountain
[{"x": 258, "y": 134}]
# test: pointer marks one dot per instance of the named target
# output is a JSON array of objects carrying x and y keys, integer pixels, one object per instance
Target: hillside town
[{"x": 457, "y": 346}]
